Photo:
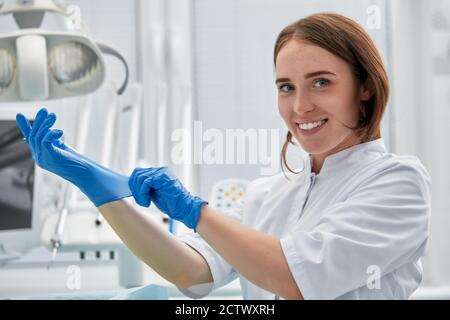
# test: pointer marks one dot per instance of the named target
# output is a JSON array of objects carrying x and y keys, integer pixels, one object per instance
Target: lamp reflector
[
  {"x": 72, "y": 62},
  {"x": 7, "y": 68}
]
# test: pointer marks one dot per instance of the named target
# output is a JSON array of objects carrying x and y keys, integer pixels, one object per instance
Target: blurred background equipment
[
  {"x": 46, "y": 54},
  {"x": 50, "y": 55}
]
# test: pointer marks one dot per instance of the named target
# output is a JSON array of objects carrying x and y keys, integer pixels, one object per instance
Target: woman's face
[{"x": 318, "y": 96}]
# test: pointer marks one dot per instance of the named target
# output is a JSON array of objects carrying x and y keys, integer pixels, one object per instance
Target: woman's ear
[{"x": 366, "y": 90}]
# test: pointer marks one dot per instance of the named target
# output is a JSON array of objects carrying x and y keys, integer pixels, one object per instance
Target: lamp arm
[{"x": 105, "y": 49}]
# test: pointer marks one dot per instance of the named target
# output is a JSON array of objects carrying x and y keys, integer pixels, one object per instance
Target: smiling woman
[
  {"x": 352, "y": 225},
  {"x": 328, "y": 68}
]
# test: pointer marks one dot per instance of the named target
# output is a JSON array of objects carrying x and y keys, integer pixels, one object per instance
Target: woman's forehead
[{"x": 300, "y": 58}]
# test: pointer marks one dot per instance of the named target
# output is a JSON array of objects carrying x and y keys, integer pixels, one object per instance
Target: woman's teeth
[{"x": 311, "y": 125}]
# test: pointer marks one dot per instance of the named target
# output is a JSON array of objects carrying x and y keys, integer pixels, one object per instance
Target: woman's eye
[
  {"x": 319, "y": 83},
  {"x": 285, "y": 88}
]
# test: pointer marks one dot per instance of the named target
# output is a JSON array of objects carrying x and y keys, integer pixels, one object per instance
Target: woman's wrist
[{"x": 100, "y": 184}]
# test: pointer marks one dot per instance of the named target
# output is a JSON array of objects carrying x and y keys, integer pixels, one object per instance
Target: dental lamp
[
  {"x": 46, "y": 53},
  {"x": 49, "y": 56}
]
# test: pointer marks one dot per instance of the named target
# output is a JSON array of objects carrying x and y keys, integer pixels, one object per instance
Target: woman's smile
[{"x": 311, "y": 128}]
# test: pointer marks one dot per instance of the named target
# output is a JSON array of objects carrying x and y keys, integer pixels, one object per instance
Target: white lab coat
[{"x": 354, "y": 231}]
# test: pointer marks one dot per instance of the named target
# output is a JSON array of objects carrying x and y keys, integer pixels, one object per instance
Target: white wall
[{"x": 422, "y": 110}]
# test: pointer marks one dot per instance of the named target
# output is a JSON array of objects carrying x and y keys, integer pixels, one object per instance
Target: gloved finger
[
  {"x": 146, "y": 193},
  {"x": 152, "y": 182},
  {"x": 46, "y": 125},
  {"x": 60, "y": 144},
  {"x": 24, "y": 125},
  {"x": 51, "y": 135},
  {"x": 143, "y": 190},
  {"x": 132, "y": 179},
  {"x": 163, "y": 178},
  {"x": 167, "y": 194},
  {"x": 137, "y": 184},
  {"x": 38, "y": 120},
  {"x": 138, "y": 177},
  {"x": 146, "y": 199},
  {"x": 40, "y": 117},
  {"x": 143, "y": 199},
  {"x": 141, "y": 176}
]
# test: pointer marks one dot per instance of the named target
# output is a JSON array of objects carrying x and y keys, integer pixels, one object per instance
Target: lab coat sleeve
[
  {"x": 221, "y": 271},
  {"x": 382, "y": 225}
]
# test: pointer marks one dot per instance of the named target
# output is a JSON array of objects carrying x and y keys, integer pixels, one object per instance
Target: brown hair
[{"x": 346, "y": 39}]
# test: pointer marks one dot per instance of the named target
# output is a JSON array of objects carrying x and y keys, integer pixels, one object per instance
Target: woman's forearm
[
  {"x": 170, "y": 257},
  {"x": 255, "y": 255}
]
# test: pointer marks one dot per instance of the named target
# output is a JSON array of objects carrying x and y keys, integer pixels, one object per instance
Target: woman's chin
[{"x": 313, "y": 147}]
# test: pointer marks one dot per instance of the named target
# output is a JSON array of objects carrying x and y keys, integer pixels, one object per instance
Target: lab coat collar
[{"x": 347, "y": 157}]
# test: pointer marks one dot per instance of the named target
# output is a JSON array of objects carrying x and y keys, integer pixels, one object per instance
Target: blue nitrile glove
[
  {"x": 98, "y": 183},
  {"x": 160, "y": 186}
]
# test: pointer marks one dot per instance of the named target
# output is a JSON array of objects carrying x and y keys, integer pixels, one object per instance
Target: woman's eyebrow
[
  {"x": 317, "y": 73},
  {"x": 308, "y": 75},
  {"x": 282, "y": 80}
]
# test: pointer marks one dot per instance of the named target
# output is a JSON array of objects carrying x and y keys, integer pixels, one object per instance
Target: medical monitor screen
[{"x": 16, "y": 179}]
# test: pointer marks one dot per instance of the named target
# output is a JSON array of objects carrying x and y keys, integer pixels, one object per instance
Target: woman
[{"x": 352, "y": 224}]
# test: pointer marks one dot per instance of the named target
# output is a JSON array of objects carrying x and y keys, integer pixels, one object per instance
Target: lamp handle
[
  {"x": 32, "y": 67},
  {"x": 105, "y": 49}
]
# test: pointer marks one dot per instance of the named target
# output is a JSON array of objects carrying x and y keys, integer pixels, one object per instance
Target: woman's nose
[{"x": 302, "y": 104}]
